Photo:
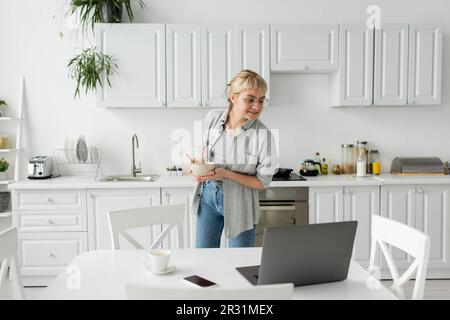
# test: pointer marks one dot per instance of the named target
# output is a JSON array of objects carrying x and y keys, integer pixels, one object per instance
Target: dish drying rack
[{"x": 66, "y": 158}]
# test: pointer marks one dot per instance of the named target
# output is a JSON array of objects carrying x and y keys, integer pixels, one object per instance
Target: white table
[{"x": 103, "y": 275}]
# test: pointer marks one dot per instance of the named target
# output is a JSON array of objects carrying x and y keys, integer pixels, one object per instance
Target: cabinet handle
[
  {"x": 50, "y": 221},
  {"x": 91, "y": 195},
  {"x": 165, "y": 194},
  {"x": 51, "y": 255},
  {"x": 304, "y": 67},
  {"x": 49, "y": 199}
]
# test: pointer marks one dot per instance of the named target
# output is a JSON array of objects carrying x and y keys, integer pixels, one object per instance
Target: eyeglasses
[{"x": 251, "y": 101}]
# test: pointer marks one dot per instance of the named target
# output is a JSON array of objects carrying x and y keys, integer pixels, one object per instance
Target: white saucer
[{"x": 145, "y": 261}]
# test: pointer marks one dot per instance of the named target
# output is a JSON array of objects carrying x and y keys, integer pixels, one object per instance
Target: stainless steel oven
[{"x": 281, "y": 206}]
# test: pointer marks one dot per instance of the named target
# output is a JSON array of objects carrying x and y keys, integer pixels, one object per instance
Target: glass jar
[
  {"x": 4, "y": 141},
  {"x": 348, "y": 158},
  {"x": 374, "y": 162},
  {"x": 361, "y": 163}
]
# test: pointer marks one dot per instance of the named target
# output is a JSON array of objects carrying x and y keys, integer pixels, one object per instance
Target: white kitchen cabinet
[
  {"x": 180, "y": 196},
  {"x": 360, "y": 203},
  {"x": 326, "y": 204},
  {"x": 102, "y": 201},
  {"x": 43, "y": 255},
  {"x": 335, "y": 204},
  {"x": 52, "y": 230},
  {"x": 304, "y": 47},
  {"x": 140, "y": 53},
  {"x": 184, "y": 65},
  {"x": 253, "y": 50},
  {"x": 353, "y": 84},
  {"x": 391, "y": 65},
  {"x": 218, "y": 63},
  {"x": 398, "y": 203},
  {"x": 401, "y": 64},
  {"x": 426, "y": 208},
  {"x": 425, "y": 64}
]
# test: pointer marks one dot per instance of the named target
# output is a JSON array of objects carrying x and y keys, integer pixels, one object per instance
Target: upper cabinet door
[
  {"x": 139, "y": 51},
  {"x": 218, "y": 63},
  {"x": 353, "y": 84},
  {"x": 391, "y": 65},
  {"x": 183, "y": 65},
  {"x": 425, "y": 64},
  {"x": 304, "y": 48},
  {"x": 252, "y": 46}
]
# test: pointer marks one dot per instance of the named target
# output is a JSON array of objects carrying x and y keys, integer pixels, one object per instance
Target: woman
[{"x": 244, "y": 151}]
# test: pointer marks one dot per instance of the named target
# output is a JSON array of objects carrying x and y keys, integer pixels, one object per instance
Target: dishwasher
[{"x": 281, "y": 206}]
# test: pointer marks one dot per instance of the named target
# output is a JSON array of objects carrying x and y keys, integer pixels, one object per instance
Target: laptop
[{"x": 304, "y": 254}]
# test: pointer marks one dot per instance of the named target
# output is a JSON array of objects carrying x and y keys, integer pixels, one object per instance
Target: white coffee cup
[{"x": 159, "y": 259}]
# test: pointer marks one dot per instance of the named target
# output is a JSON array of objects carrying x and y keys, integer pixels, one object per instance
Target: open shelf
[
  {"x": 8, "y": 150},
  {"x": 5, "y": 214},
  {"x": 6, "y": 181},
  {"x": 9, "y": 119}
]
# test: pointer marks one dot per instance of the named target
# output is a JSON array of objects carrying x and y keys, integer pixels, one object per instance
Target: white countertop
[{"x": 86, "y": 182}]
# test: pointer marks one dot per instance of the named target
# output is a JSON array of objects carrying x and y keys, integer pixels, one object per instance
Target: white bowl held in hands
[{"x": 200, "y": 169}]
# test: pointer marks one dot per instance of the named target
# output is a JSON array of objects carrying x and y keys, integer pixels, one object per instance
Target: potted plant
[
  {"x": 107, "y": 11},
  {"x": 88, "y": 67},
  {"x": 2, "y": 104},
  {"x": 3, "y": 167}
]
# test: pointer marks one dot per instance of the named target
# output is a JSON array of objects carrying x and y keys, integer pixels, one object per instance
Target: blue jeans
[{"x": 210, "y": 220}]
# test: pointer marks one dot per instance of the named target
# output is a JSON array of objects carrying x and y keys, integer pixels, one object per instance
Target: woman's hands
[{"x": 216, "y": 174}]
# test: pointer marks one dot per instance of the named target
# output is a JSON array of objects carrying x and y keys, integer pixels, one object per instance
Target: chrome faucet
[{"x": 134, "y": 169}]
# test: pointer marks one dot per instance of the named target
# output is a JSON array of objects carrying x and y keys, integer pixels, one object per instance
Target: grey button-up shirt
[{"x": 251, "y": 151}]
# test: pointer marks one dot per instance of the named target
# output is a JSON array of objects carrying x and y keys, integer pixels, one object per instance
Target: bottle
[
  {"x": 361, "y": 163},
  {"x": 375, "y": 162},
  {"x": 324, "y": 167},
  {"x": 318, "y": 162}
]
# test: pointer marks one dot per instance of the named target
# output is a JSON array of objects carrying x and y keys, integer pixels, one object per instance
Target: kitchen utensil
[
  {"x": 200, "y": 169},
  {"x": 282, "y": 173},
  {"x": 309, "y": 168},
  {"x": 413, "y": 166},
  {"x": 40, "y": 167},
  {"x": 81, "y": 149}
]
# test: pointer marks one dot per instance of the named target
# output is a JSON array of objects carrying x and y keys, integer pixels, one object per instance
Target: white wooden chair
[
  {"x": 412, "y": 241},
  {"x": 171, "y": 215},
  {"x": 8, "y": 259},
  {"x": 262, "y": 292}
]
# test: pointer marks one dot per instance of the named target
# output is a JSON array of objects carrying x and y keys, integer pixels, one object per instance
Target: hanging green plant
[
  {"x": 106, "y": 11},
  {"x": 88, "y": 69}
]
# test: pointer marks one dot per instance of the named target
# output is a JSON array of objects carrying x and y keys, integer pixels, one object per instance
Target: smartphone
[{"x": 199, "y": 281}]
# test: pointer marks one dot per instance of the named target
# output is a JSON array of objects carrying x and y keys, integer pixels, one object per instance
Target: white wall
[{"x": 29, "y": 45}]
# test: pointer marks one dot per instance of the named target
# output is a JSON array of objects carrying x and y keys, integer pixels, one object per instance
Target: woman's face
[{"x": 248, "y": 103}]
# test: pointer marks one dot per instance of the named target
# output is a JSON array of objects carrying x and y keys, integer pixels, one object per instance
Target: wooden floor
[{"x": 434, "y": 290}]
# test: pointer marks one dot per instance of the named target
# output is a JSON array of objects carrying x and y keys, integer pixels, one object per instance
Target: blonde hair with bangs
[{"x": 244, "y": 80}]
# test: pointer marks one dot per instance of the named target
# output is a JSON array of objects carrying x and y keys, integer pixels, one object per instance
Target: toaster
[{"x": 40, "y": 167}]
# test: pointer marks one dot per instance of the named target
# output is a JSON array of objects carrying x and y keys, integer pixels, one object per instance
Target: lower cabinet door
[
  {"x": 360, "y": 203},
  {"x": 326, "y": 204},
  {"x": 47, "y": 253},
  {"x": 102, "y": 201},
  {"x": 180, "y": 196}
]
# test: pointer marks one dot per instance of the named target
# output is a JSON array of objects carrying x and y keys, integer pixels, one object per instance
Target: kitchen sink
[{"x": 138, "y": 178}]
